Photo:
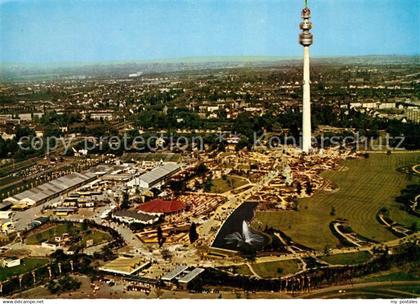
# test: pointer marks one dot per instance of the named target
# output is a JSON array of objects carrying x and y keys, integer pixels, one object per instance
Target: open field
[
  {"x": 365, "y": 186},
  {"x": 395, "y": 276},
  {"x": 243, "y": 270},
  {"x": 230, "y": 182},
  {"x": 347, "y": 258},
  {"x": 57, "y": 230},
  {"x": 27, "y": 264},
  {"x": 276, "y": 269},
  {"x": 269, "y": 269},
  {"x": 407, "y": 272}
]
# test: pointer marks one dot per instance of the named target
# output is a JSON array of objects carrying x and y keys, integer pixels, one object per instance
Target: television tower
[{"x": 305, "y": 39}]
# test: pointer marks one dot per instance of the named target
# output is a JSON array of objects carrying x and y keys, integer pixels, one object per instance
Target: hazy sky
[{"x": 34, "y": 31}]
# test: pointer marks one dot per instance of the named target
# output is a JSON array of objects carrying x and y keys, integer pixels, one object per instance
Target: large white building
[
  {"x": 155, "y": 177},
  {"x": 51, "y": 189}
]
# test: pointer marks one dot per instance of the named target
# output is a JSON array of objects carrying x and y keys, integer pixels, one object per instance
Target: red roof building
[{"x": 162, "y": 206}]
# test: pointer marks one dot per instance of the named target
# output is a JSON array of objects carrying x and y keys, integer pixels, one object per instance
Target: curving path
[{"x": 348, "y": 287}]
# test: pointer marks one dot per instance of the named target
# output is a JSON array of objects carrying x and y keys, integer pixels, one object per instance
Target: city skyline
[{"x": 101, "y": 31}]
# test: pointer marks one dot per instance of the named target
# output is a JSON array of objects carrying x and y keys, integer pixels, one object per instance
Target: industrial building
[
  {"x": 125, "y": 265},
  {"x": 182, "y": 276},
  {"x": 54, "y": 188},
  {"x": 155, "y": 177},
  {"x": 172, "y": 276}
]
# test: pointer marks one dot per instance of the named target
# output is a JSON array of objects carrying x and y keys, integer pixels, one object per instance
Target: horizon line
[{"x": 220, "y": 58}]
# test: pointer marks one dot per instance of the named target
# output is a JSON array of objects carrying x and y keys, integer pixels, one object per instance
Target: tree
[
  {"x": 125, "y": 204},
  {"x": 208, "y": 184},
  {"x": 84, "y": 225},
  {"x": 159, "y": 236},
  {"x": 193, "y": 233},
  {"x": 107, "y": 253},
  {"x": 24, "y": 131},
  {"x": 58, "y": 255},
  {"x": 166, "y": 254},
  {"x": 309, "y": 189},
  {"x": 332, "y": 212},
  {"x": 202, "y": 169},
  {"x": 299, "y": 188},
  {"x": 63, "y": 284}
]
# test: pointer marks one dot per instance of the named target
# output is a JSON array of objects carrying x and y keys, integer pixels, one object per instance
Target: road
[{"x": 348, "y": 287}]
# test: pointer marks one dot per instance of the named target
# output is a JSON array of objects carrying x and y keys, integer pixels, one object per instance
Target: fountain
[{"x": 246, "y": 238}]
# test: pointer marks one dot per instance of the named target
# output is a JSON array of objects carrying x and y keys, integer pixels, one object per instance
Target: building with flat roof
[
  {"x": 125, "y": 265},
  {"x": 5, "y": 205},
  {"x": 155, "y": 177},
  {"x": 183, "y": 276},
  {"x": 54, "y": 188},
  {"x": 10, "y": 262},
  {"x": 5, "y": 214},
  {"x": 39, "y": 221},
  {"x": 170, "y": 276},
  {"x": 190, "y": 278}
]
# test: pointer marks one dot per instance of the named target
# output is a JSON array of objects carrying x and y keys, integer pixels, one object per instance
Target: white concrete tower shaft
[
  {"x": 306, "y": 39},
  {"x": 306, "y": 119}
]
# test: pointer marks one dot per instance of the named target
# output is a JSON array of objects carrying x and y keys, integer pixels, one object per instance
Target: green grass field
[
  {"x": 348, "y": 258},
  {"x": 364, "y": 188},
  {"x": 406, "y": 272},
  {"x": 395, "y": 276},
  {"x": 57, "y": 230},
  {"x": 269, "y": 269},
  {"x": 231, "y": 182},
  {"x": 276, "y": 269},
  {"x": 243, "y": 270},
  {"x": 27, "y": 264}
]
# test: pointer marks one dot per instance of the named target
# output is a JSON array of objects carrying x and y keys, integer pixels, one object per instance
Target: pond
[{"x": 234, "y": 223}]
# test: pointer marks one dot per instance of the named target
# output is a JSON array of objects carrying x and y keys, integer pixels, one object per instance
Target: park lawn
[
  {"x": 48, "y": 234},
  {"x": 395, "y": 276},
  {"x": 97, "y": 236},
  {"x": 231, "y": 182},
  {"x": 271, "y": 269},
  {"x": 347, "y": 258},
  {"x": 57, "y": 230},
  {"x": 367, "y": 186},
  {"x": 407, "y": 272},
  {"x": 27, "y": 264},
  {"x": 243, "y": 270}
]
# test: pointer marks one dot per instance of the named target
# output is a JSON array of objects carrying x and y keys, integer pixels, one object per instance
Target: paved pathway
[
  {"x": 252, "y": 270},
  {"x": 314, "y": 293}
]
